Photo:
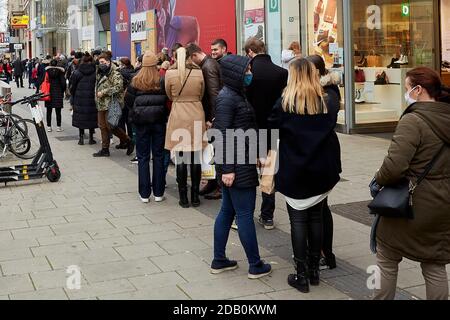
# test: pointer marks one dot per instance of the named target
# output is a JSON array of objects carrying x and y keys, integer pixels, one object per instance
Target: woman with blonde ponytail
[
  {"x": 309, "y": 164},
  {"x": 185, "y": 86}
]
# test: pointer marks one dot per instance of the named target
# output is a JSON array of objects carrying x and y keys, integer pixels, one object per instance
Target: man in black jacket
[
  {"x": 269, "y": 81},
  {"x": 18, "y": 72},
  {"x": 213, "y": 85}
]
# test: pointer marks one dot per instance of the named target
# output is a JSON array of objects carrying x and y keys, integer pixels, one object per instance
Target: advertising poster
[
  {"x": 181, "y": 21},
  {"x": 254, "y": 19},
  {"x": 325, "y": 32}
]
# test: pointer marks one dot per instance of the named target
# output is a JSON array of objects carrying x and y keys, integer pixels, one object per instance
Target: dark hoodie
[
  {"x": 57, "y": 87},
  {"x": 82, "y": 90},
  {"x": 420, "y": 135},
  {"x": 233, "y": 111}
]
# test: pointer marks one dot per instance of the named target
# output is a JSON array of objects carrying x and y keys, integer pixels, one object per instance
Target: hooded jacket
[
  {"x": 421, "y": 133},
  {"x": 57, "y": 87},
  {"x": 233, "y": 111},
  {"x": 82, "y": 89},
  {"x": 111, "y": 85}
]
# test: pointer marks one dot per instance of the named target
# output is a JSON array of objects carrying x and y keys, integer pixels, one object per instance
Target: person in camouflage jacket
[{"x": 109, "y": 85}]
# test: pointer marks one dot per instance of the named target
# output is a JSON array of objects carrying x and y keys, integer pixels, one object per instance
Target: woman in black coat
[
  {"x": 57, "y": 89},
  {"x": 238, "y": 174},
  {"x": 82, "y": 89},
  {"x": 309, "y": 164}
]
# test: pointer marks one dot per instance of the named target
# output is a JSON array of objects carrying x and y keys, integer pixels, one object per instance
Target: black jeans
[
  {"x": 124, "y": 124},
  {"x": 306, "y": 231},
  {"x": 58, "y": 116},
  {"x": 268, "y": 206},
  {"x": 328, "y": 230},
  {"x": 19, "y": 79},
  {"x": 91, "y": 132}
]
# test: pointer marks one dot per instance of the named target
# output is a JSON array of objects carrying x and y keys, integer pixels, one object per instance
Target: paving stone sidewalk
[{"x": 93, "y": 219}]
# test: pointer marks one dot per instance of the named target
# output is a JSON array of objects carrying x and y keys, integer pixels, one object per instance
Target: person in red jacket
[{"x": 6, "y": 70}]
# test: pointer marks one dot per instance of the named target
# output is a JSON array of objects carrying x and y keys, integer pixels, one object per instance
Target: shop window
[
  {"x": 390, "y": 38},
  {"x": 254, "y": 19}
]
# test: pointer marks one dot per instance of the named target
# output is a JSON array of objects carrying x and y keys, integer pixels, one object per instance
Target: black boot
[
  {"x": 196, "y": 176},
  {"x": 91, "y": 138},
  {"x": 299, "y": 281},
  {"x": 314, "y": 270},
  {"x": 182, "y": 185},
  {"x": 81, "y": 141},
  {"x": 102, "y": 153}
]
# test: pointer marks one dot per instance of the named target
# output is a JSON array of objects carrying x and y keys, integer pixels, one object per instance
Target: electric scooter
[{"x": 43, "y": 164}]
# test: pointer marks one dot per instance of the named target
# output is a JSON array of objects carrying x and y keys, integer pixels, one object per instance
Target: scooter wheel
[{"x": 54, "y": 174}]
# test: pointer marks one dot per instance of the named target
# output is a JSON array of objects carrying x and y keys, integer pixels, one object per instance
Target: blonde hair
[
  {"x": 181, "y": 63},
  {"x": 295, "y": 46},
  {"x": 147, "y": 79},
  {"x": 304, "y": 94}
]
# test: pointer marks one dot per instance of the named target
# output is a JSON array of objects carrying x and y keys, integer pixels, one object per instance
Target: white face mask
[{"x": 409, "y": 100}]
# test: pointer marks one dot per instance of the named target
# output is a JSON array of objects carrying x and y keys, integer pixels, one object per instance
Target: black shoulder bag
[{"x": 397, "y": 201}]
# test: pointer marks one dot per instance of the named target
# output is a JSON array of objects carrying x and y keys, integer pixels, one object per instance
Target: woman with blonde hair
[
  {"x": 309, "y": 164},
  {"x": 185, "y": 87},
  {"x": 294, "y": 51},
  {"x": 146, "y": 100}
]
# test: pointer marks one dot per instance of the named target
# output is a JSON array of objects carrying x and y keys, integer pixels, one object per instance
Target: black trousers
[
  {"x": 328, "y": 231},
  {"x": 19, "y": 79},
  {"x": 268, "y": 206},
  {"x": 91, "y": 132},
  {"x": 306, "y": 231},
  {"x": 58, "y": 116},
  {"x": 124, "y": 124}
]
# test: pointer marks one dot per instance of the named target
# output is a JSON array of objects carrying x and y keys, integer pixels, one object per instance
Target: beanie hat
[{"x": 149, "y": 60}]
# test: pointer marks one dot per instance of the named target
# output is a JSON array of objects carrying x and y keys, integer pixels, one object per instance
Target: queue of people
[{"x": 175, "y": 105}]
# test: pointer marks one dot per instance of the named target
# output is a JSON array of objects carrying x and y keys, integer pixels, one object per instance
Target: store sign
[
  {"x": 274, "y": 6},
  {"x": 139, "y": 26},
  {"x": 20, "y": 22},
  {"x": 406, "y": 10},
  {"x": 18, "y": 46},
  {"x": 374, "y": 17},
  {"x": 4, "y": 38},
  {"x": 87, "y": 33}
]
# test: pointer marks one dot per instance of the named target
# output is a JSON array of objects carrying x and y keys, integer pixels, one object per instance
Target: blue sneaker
[
  {"x": 261, "y": 269},
  {"x": 218, "y": 267}
]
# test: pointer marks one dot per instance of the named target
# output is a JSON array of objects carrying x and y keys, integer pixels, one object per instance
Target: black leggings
[
  {"x": 58, "y": 116},
  {"x": 306, "y": 231},
  {"x": 328, "y": 227}
]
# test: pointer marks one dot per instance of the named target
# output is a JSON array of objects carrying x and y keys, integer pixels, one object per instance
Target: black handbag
[{"x": 396, "y": 201}]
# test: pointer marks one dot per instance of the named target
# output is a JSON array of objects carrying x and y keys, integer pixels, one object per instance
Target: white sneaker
[
  {"x": 160, "y": 199},
  {"x": 49, "y": 129},
  {"x": 145, "y": 200},
  {"x": 59, "y": 129}
]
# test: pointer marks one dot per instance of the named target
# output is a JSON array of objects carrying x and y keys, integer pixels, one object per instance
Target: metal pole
[{"x": 349, "y": 67}]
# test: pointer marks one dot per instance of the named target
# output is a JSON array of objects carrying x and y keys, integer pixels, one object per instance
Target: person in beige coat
[
  {"x": 185, "y": 87},
  {"x": 422, "y": 134}
]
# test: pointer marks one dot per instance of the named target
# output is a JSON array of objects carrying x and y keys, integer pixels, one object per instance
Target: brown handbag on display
[{"x": 374, "y": 60}]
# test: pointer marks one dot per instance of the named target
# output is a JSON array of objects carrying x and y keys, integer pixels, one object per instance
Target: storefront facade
[{"x": 370, "y": 43}]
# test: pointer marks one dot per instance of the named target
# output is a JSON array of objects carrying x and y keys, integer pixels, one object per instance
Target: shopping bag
[
  {"x": 208, "y": 169},
  {"x": 267, "y": 183},
  {"x": 45, "y": 89},
  {"x": 114, "y": 113}
]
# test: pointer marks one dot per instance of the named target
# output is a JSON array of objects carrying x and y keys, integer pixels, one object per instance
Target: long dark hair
[{"x": 319, "y": 63}]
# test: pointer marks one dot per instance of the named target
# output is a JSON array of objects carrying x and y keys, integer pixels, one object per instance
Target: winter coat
[
  {"x": 41, "y": 71},
  {"x": 82, "y": 90},
  {"x": 19, "y": 69},
  {"x": 420, "y": 135},
  {"x": 213, "y": 85},
  {"x": 127, "y": 75},
  {"x": 309, "y": 151},
  {"x": 269, "y": 81},
  {"x": 111, "y": 86},
  {"x": 235, "y": 112},
  {"x": 187, "y": 110},
  {"x": 57, "y": 87},
  {"x": 146, "y": 107},
  {"x": 331, "y": 81}
]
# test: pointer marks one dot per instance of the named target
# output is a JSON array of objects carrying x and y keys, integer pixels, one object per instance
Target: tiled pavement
[{"x": 128, "y": 250}]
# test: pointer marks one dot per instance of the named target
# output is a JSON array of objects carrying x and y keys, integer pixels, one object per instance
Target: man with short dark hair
[
  {"x": 213, "y": 85},
  {"x": 269, "y": 81},
  {"x": 18, "y": 72},
  {"x": 219, "y": 49}
]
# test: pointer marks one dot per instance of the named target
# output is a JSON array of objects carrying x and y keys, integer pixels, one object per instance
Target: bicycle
[
  {"x": 43, "y": 164},
  {"x": 14, "y": 134}
]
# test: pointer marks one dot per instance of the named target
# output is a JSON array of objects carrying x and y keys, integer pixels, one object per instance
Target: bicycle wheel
[{"x": 22, "y": 144}]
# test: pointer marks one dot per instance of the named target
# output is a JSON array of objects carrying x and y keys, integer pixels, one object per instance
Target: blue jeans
[
  {"x": 240, "y": 203},
  {"x": 150, "y": 140}
]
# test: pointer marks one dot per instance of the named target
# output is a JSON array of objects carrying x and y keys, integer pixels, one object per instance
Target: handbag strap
[
  {"x": 428, "y": 168},
  {"x": 184, "y": 85}
]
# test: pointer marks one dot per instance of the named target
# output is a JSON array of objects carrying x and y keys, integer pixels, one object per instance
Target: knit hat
[{"x": 149, "y": 60}]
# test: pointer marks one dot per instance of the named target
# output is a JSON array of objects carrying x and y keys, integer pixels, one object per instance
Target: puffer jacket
[
  {"x": 213, "y": 85},
  {"x": 82, "y": 89},
  {"x": 421, "y": 133},
  {"x": 146, "y": 107},
  {"x": 57, "y": 87},
  {"x": 111, "y": 86},
  {"x": 233, "y": 111},
  {"x": 127, "y": 75}
]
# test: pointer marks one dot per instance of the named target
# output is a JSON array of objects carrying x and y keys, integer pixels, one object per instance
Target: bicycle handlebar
[{"x": 30, "y": 99}]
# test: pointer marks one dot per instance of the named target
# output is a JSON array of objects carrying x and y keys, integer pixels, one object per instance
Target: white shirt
[{"x": 305, "y": 204}]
